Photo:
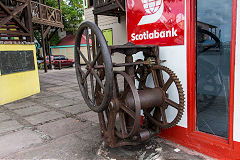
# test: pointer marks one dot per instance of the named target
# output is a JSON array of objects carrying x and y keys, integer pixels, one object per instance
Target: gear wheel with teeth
[{"x": 157, "y": 115}]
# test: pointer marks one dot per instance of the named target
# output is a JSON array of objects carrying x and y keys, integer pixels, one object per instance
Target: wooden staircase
[
  {"x": 19, "y": 17},
  {"x": 14, "y": 24}
]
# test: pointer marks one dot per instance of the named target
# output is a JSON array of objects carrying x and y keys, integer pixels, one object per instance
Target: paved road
[{"x": 57, "y": 124}]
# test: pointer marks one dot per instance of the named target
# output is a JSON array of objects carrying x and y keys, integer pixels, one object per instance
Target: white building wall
[
  {"x": 106, "y": 22},
  {"x": 236, "y": 122},
  {"x": 176, "y": 57}
]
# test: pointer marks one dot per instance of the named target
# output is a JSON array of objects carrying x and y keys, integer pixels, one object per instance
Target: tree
[
  {"x": 72, "y": 13},
  {"x": 72, "y": 16}
]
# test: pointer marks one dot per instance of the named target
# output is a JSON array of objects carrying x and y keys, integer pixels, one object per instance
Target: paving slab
[
  {"x": 93, "y": 130},
  {"x": 9, "y": 126},
  {"x": 18, "y": 140},
  {"x": 74, "y": 94},
  {"x": 69, "y": 147},
  {"x": 17, "y": 105},
  {"x": 59, "y": 89},
  {"x": 63, "y": 127},
  {"x": 62, "y": 103},
  {"x": 50, "y": 99},
  {"x": 4, "y": 117},
  {"x": 75, "y": 109},
  {"x": 44, "y": 117},
  {"x": 30, "y": 110},
  {"x": 90, "y": 116},
  {"x": 41, "y": 95}
]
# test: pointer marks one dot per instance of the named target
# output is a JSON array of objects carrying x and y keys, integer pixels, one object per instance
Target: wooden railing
[{"x": 43, "y": 14}]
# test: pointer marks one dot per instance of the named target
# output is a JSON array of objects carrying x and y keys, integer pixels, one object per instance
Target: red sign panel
[{"x": 159, "y": 22}]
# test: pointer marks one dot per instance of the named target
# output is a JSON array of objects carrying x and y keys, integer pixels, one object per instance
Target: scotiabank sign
[{"x": 159, "y": 22}]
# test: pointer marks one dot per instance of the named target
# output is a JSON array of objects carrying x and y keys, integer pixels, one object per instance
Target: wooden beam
[
  {"x": 51, "y": 15},
  {"x": 49, "y": 55},
  {"x": 46, "y": 22},
  {"x": 120, "y": 5},
  {"x": 43, "y": 48},
  {"x": 59, "y": 4},
  {"x": 28, "y": 20},
  {"x": 46, "y": 32},
  {"x": 11, "y": 14},
  {"x": 22, "y": 1}
]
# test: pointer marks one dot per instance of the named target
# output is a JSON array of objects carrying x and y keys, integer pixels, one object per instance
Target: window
[{"x": 213, "y": 39}]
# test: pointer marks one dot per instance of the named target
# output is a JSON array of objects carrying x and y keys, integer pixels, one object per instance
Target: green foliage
[
  {"x": 72, "y": 13},
  {"x": 55, "y": 39}
]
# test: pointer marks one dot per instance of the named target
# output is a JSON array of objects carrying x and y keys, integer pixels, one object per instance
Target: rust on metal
[{"x": 119, "y": 96}]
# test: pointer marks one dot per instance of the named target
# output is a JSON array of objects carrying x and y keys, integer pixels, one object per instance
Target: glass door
[{"x": 213, "y": 39}]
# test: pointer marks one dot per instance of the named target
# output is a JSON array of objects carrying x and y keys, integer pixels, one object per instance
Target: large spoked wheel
[
  {"x": 128, "y": 117},
  {"x": 92, "y": 80},
  {"x": 122, "y": 114},
  {"x": 164, "y": 78}
]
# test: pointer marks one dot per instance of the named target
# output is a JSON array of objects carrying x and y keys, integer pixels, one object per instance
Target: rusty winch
[{"x": 131, "y": 103}]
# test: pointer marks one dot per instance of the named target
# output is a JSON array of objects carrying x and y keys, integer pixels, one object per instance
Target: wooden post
[
  {"x": 28, "y": 20},
  {"x": 96, "y": 19},
  {"x": 59, "y": 7},
  {"x": 49, "y": 54},
  {"x": 59, "y": 4},
  {"x": 43, "y": 48}
]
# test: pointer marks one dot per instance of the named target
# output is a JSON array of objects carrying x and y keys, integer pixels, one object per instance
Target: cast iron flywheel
[{"x": 88, "y": 54}]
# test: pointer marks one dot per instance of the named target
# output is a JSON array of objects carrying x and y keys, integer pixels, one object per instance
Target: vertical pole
[
  {"x": 28, "y": 20},
  {"x": 59, "y": 7},
  {"x": 130, "y": 69},
  {"x": 43, "y": 48},
  {"x": 211, "y": 32},
  {"x": 49, "y": 54},
  {"x": 59, "y": 4},
  {"x": 96, "y": 19}
]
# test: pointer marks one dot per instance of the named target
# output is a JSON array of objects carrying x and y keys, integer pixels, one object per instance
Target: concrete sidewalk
[{"x": 57, "y": 124}]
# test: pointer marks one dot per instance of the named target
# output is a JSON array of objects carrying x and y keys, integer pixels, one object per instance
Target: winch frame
[{"x": 119, "y": 109}]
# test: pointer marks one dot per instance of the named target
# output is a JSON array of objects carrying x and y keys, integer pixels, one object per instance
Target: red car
[{"x": 57, "y": 59}]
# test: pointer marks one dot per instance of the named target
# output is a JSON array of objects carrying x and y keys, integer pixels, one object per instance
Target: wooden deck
[{"x": 109, "y": 7}]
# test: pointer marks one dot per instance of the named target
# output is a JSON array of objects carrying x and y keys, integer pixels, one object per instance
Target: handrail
[{"x": 42, "y": 13}]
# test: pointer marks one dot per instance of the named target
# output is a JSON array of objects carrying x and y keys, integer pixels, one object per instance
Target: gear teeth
[{"x": 181, "y": 97}]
